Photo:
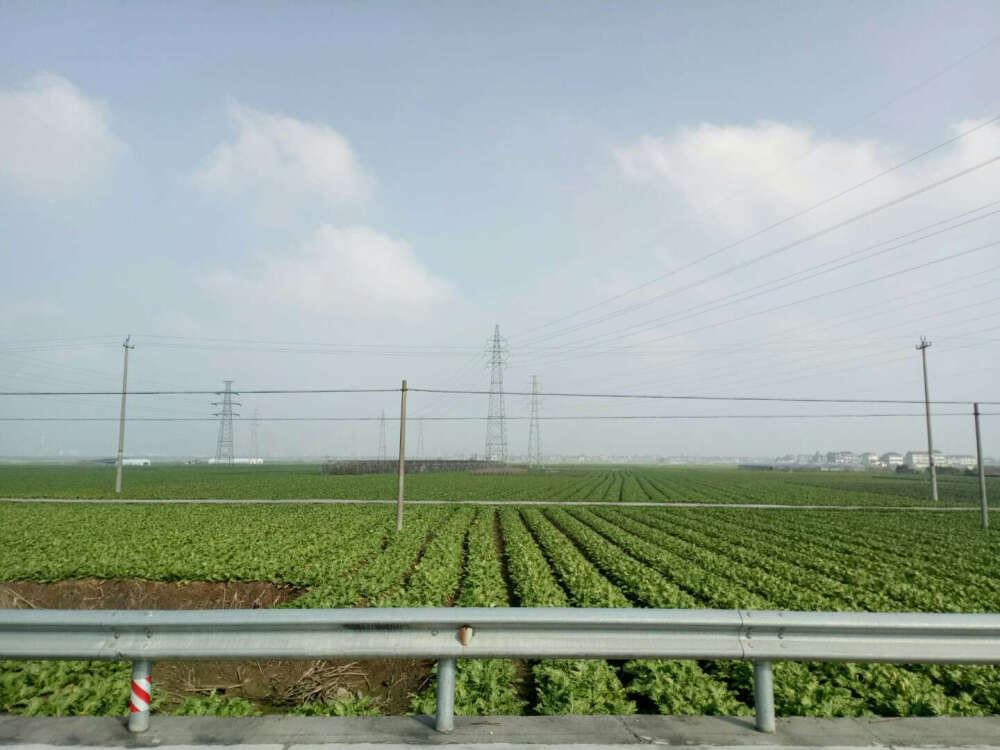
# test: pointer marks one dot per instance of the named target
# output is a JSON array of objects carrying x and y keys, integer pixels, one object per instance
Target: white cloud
[
  {"x": 54, "y": 141},
  {"x": 763, "y": 170},
  {"x": 354, "y": 270},
  {"x": 279, "y": 158}
]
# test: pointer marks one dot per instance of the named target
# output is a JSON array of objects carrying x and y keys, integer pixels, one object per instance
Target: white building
[
  {"x": 135, "y": 462},
  {"x": 842, "y": 457},
  {"x": 891, "y": 459},
  {"x": 961, "y": 462},
  {"x": 918, "y": 460}
]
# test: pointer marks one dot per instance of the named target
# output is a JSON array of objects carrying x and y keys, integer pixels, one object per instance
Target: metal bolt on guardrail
[{"x": 447, "y": 634}]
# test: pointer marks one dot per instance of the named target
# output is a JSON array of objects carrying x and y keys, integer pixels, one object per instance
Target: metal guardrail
[{"x": 447, "y": 634}]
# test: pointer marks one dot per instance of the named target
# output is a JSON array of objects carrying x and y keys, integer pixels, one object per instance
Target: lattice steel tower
[
  {"x": 496, "y": 423},
  {"x": 224, "y": 446},
  {"x": 254, "y": 437},
  {"x": 382, "y": 451},
  {"x": 534, "y": 435}
]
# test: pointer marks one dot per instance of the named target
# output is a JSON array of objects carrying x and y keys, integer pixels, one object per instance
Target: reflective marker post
[{"x": 142, "y": 691}]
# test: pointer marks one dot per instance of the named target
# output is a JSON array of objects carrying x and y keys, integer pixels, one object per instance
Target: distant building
[
  {"x": 869, "y": 459},
  {"x": 842, "y": 457},
  {"x": 135, "y": 462},
  {"x": 918, "y": 460},
  {"x": 891, "y": 460},
  {"x": 962, "y": 462}
]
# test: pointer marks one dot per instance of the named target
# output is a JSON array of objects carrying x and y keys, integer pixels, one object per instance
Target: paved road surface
[{"x": 501, "y": 732}]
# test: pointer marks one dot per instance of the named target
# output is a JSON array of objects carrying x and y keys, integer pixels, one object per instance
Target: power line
[
  {"x": 781, "y": 338},
  {"x": 564, "y": 418},
  {"x": 562, "y": 394},
  {"x": 773, "y": 285},
  {"x": 200, "y": 393},
  {"x": 820, "y": 295},
  {"x": 800, "y": 374},
  {"x": 793, "y": 216},
  {"x": 674, "y": 397}
]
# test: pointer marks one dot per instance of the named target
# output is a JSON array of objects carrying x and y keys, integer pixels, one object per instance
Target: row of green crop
[
  {"x": 810, "y": 689},
  {"x": 583, "y": 483},
  {"x": 600, "y": 556},
  {"x": 673, "y": 687},
  {"x": 563, "y": 686}
]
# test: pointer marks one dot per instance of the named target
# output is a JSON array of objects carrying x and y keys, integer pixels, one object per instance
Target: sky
[{"x": 752, "y": 199}]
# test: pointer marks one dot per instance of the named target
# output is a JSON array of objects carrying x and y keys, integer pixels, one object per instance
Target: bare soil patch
[
  {"x": 275, "y": 686},
  {"x": 134, "y": 593}
]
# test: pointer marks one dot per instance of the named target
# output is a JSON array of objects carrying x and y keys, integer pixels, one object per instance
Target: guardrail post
[
  {"x": 446, "y": 695},
  {"x": 763, "y": 695},
  {"x": 138, "y": 717}
]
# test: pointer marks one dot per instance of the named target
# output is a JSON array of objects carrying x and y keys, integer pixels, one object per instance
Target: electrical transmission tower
[
  {"x": 382, "y": 452},
  {"x": 224, "y": 447},
  {"x": 496, "y": 423},
  {"x": 254, "y": 437},
  {"x": 534, "y": 435}
]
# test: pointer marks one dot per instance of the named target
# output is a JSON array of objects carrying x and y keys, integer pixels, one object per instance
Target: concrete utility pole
[
  {"x": 922, "y": 347},
  {"x": 121, "y": 420},
  {"x": 402, "y": 458},
  {"x": 983, "y": 507}
]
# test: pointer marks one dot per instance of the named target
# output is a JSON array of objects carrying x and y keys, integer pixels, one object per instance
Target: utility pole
[
  {"x": 121, "y": 420},
  {"x": 402, "y": 458},
  {"x": 496, "y": 423},
  {"x": 534, "y": 435},
  {"x": 922, "y": 348},
  {"x": 983, "y": 507}
]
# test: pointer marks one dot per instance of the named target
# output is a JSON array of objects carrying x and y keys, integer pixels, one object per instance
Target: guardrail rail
[{"x": 446, "y": 634}]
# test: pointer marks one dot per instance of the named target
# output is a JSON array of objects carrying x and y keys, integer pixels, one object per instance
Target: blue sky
[{"x": 409, "y": 174}]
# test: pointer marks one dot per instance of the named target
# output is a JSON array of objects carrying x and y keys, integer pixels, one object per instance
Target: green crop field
[
  {"x": 604, "y": 556},
  {"x": 563, "y": 483}
]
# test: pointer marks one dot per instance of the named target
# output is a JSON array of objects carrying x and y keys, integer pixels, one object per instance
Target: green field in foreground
[
  {"x": 344, "y": 556},
  {"x": 560, "y": 483}
]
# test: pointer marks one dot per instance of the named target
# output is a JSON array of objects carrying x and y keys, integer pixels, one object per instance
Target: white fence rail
[{"x": 447, "y": 634}]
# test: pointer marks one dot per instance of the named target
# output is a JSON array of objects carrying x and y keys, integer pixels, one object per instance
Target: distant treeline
[{"x": 417, "y": 466}]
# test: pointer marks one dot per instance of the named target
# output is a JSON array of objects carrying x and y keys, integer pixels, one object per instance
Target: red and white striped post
[{"x": 138, "y": 706}]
